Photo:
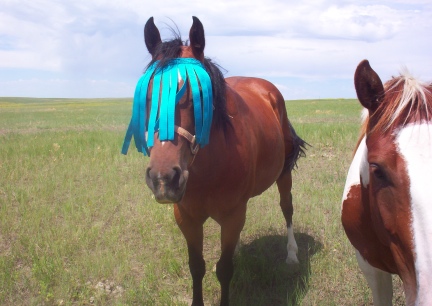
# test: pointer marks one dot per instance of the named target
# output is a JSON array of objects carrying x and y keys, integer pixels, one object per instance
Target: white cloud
[
  {"x": 309, "y": 40},
  {"x": 366, "y": 23}
]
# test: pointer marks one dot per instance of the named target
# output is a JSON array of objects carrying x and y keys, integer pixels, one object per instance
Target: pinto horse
[
  {"x": 386, "y": 208},
  {"x": 221, "y": 142}
]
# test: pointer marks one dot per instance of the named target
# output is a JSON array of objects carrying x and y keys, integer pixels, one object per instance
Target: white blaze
[
  {"x": 414, "y": 143},
  {"x": 359, "y": 167}
]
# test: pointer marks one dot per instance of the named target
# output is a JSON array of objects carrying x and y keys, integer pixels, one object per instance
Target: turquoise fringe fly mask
[{"x": 162, "y": 111}]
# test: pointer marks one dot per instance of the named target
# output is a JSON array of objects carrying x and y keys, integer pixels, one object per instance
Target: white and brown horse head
[{"x": 387, "y": 201}]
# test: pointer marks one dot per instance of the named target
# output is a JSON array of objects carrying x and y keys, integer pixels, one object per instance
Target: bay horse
[
  {"x": 213, "y": 143},
  {"x": 387, "y": 201}
]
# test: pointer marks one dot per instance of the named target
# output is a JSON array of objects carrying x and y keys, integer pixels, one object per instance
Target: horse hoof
[
  {"x": 292, "y": 258},
  {"x": 289, "y": 261},
  {"x": 293, "y": 265}
]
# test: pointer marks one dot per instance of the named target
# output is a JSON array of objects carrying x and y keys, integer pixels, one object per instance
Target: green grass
[{"x": 78, "y": 226}]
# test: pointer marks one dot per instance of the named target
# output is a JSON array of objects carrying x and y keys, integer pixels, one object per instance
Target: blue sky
[{"x": 309, "y": 49}]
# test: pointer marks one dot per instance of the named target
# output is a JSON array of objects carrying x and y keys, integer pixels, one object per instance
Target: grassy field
[{"x": 78, "y": 225}]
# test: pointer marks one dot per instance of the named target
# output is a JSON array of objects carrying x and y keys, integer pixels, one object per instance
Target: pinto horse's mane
[
  {"x": 171, "y": 49},
  {"x": 406, "y": 99}
]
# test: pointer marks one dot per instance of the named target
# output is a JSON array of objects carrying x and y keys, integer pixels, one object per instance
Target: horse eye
[{"x": 378, "y": 172}]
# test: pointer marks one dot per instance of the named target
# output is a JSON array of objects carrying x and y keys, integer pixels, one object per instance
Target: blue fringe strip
[{"x": 164, "y": 103}]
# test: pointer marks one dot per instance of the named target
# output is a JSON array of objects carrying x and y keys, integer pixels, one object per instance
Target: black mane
[{"x": 171, "y": 49}]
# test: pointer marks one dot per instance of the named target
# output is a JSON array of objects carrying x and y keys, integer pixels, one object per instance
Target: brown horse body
[
  {"x": 386, "y": 211},
  {"x": 243, "y": 162},
  {"x": 256, "y": 147}
]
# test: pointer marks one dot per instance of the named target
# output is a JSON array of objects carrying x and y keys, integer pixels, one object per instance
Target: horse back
[{"x": 259, "y": 94}]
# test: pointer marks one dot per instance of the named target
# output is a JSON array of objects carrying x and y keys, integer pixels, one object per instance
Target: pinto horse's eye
[{"x": 377, "y": 172}]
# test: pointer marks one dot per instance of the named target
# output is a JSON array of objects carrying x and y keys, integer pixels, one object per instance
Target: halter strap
[{"x": 189, "y": 137}]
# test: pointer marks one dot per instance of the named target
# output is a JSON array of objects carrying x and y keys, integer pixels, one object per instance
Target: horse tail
[{"x": 299, "y": 147}]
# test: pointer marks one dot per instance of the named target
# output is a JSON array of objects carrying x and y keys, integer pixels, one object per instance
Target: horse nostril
[
  {"x": 172, "y": 176},
  {"x": 177, "y": 174},
  {"x": 148, "y": 173}
]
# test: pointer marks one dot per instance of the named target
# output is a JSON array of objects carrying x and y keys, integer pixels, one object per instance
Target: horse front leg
[
  {"x": 193, "y": 232},
  {"x": 231, "y": 227}
]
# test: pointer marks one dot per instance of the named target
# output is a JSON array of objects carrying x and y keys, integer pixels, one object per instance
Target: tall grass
[{"x": 78, "y": 226}]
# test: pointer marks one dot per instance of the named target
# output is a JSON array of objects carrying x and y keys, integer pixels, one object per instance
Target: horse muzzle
[{"x": 167, "y": 186}]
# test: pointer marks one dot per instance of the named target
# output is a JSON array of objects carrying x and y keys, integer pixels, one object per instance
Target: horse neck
[{"x": 214, "y": 159}]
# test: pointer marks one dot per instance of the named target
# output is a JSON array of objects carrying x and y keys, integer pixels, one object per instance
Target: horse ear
[
  {"x": 197, "y": 39},
  {"x": 368, "y": 85},
  {"x": 152, "y": 36}
]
